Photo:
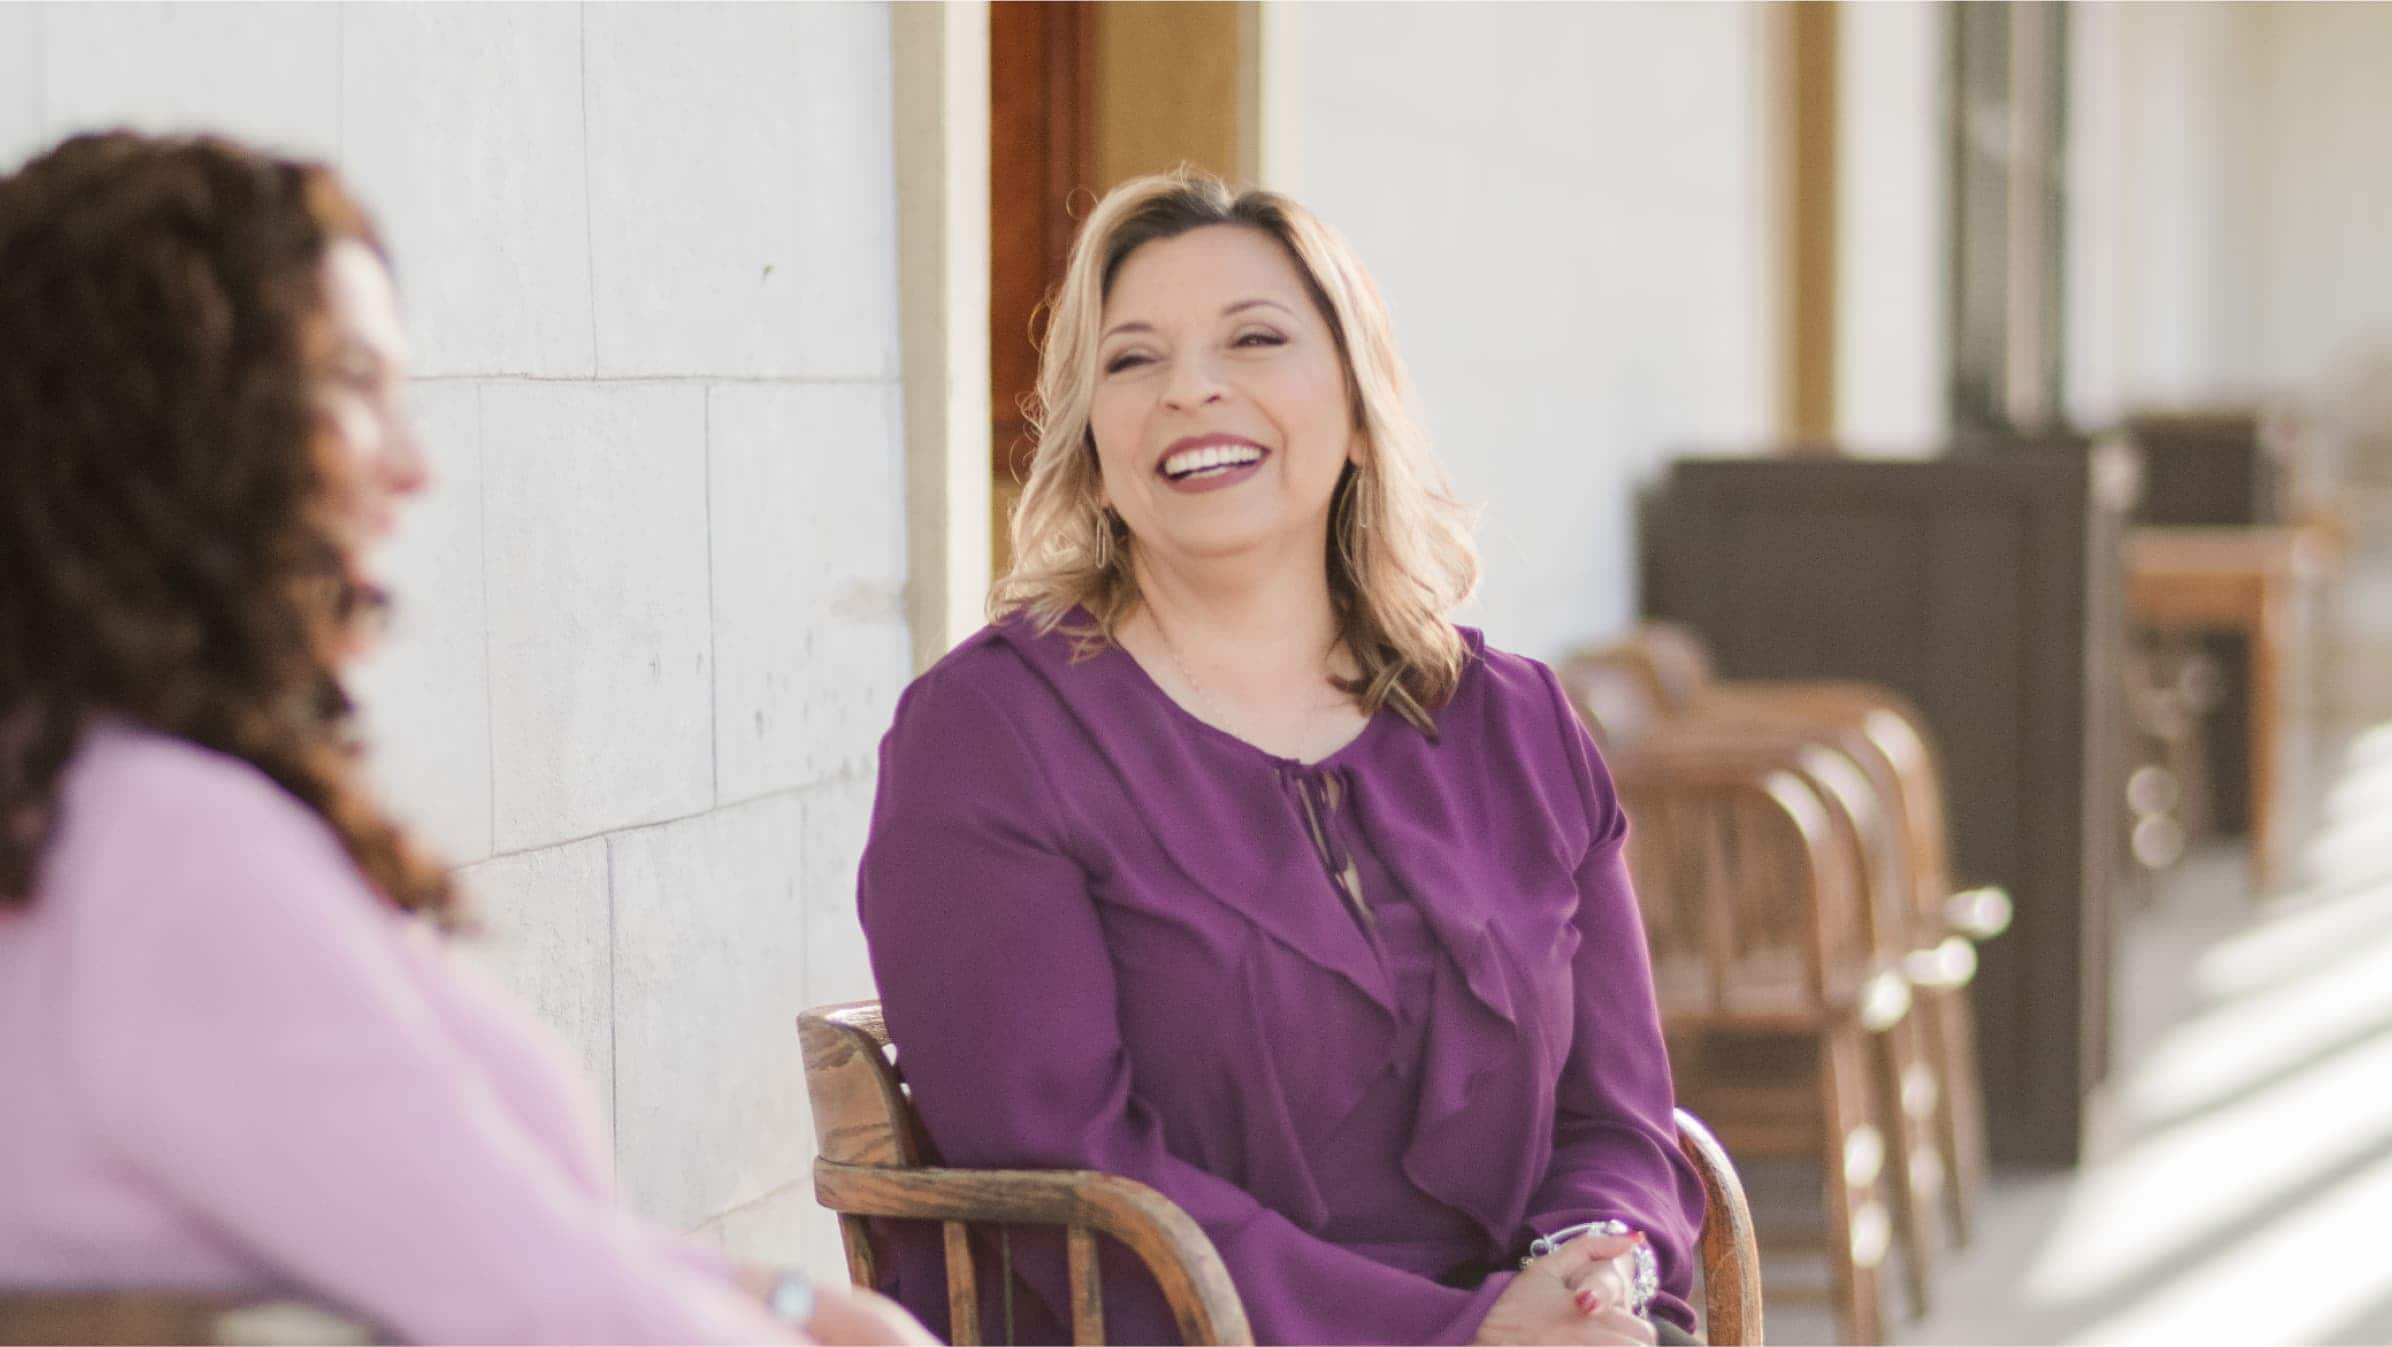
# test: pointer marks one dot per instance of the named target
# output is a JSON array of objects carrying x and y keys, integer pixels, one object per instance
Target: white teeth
[{"x": 1188, "y": 461}]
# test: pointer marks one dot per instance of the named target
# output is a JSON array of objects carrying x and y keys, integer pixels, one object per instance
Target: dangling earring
[
  {"x": 1343, "y": 520},
  {"x": 1106, "y": 542}
]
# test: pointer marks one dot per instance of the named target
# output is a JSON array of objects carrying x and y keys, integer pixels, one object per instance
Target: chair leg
[
  {"x": 1853, "y": 1158},
  {"x": 1908, "y": 1095},
  {"x": 1960, "y": 1123}
]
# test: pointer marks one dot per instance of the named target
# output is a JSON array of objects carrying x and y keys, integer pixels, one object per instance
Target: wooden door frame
[
  {"x": 939, "y": 60},
  {"x": 1042, "y": 131}
]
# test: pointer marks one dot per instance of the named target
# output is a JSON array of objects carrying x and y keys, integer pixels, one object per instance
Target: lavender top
[
  {"x": 230, "y": 1067},
  {"x": 1110, "y": 936}
]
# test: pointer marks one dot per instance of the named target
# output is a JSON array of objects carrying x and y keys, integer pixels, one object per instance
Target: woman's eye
[
  {"x": 1126, "y": 360},
  {"x": 1261, "y": 338}
]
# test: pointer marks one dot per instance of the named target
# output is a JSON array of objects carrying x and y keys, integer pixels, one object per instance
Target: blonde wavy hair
[{"x": 1400, "y": 554}]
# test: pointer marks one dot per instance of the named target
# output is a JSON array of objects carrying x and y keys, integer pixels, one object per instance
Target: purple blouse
[{"x": 1109, "y": 936}]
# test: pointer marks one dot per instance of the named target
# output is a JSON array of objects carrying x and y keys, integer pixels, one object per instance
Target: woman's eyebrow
[
  {"x": 1236, "y": 307},
  {"x": 1258, "y": 302}
]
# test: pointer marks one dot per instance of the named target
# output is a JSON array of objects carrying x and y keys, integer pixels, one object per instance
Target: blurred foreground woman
[{"x": 237, "y": 1056}]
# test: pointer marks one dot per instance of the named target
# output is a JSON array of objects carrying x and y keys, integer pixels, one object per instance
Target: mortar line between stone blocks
[
  {"x": 481, "y": 452},
  {"x": 589, "y": 209},
  {"x": 845, "y": 776},
  {"x": 614, "y": 1065},
  {"x": 340, "y": 82},
  {"x": 750, "y": 1204},
  {"x": 648, "y": 825},
  {"x": 714, "y": 617},
  {"x": 600, "y": 835}
]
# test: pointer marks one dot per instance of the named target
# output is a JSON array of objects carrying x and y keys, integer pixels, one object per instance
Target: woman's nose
[
  {"x": 404, "y": 464},
  {"x": 1194, "y": 382}
]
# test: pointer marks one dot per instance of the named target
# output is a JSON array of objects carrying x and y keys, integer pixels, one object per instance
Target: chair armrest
[
  {"x": 146, "y": 1316},
  {"x": 1174, "y": 1248},
  {"x": 1731, "y": 1255}
]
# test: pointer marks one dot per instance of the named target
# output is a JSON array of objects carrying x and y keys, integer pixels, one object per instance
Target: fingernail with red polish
[
  {"x": 1636, "y": 1237},
  {"x": 1588, "y": 1302}
]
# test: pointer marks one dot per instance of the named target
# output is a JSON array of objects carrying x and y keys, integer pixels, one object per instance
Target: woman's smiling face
[
  {"x": 1221, "y": 414},
  {"x": 365, "y": 443}
]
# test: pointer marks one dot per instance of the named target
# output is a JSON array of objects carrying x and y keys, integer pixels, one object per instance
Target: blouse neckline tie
[{"x": 1321, "y": 792}]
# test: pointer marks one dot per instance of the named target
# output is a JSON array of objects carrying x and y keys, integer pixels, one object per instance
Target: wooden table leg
[{"x": 2267, "y": 656}]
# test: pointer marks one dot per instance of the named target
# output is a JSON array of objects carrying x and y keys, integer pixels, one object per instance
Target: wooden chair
[
  {"x": 876, "y": 1162},
  {"x": 1672, "y": 668},
  {"x": 1903, "y": 1053},
  {"x": 125, "y": 1316},
  {"x": 1935, "y": 927},
  {"x": 1663, "y": 672},
  {"x": 1787, "y": 1026}
]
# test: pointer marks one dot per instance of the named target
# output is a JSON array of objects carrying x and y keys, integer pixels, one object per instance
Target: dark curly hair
[{"x": 161, "y": 555}]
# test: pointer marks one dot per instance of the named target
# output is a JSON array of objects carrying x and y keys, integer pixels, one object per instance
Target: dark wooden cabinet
[
  {"x": 2205, "y": 468},
  {"x": 1987, "y": 588}
]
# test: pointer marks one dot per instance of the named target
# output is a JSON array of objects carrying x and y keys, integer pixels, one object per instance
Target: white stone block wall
[
  {"x": 652, "y": 614},
  {"x": 1564, "y": 205}
]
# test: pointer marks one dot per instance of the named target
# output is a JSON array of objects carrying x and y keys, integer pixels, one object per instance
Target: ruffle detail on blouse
[
  {"x": 1483, "y": 1131},
  {"x": 1496, "y": 886}
]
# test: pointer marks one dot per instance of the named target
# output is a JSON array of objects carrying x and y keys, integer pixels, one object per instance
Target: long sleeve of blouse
[
  {"x": 1001, "y": 995},
  {"x": 273, "y": 1067},
  {"x": 1614, "y": 1150}
]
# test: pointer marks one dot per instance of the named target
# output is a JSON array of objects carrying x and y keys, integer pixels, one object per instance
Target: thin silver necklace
[
  {"x": 1171, "y": 648},
  {"x": 1212, "y": 707}
]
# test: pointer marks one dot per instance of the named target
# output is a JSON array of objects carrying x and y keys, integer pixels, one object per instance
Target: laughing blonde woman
[{"x": 1224, "y": 860}]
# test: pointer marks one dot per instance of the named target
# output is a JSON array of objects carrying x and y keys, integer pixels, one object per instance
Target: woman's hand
[
  {"x": 849, "y": 1316},
  {"x": 1576, "y": 1294},
  {"x": 854, "y": 1317},
  {"x": 1606, "y": 1278}
]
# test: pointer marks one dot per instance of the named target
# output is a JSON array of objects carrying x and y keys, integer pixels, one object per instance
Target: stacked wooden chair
[
  {"x": 1774, "y": 999},
  {"x": 1895, "y": 747},
  {"x": 875, "y": 1162},
  {"x": 1859, "y": 757}
]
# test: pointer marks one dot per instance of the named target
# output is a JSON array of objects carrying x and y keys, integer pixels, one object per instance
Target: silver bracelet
[
  {"x": 1644, "y": 1279},
  {"x": 792, "y": 1298}
]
